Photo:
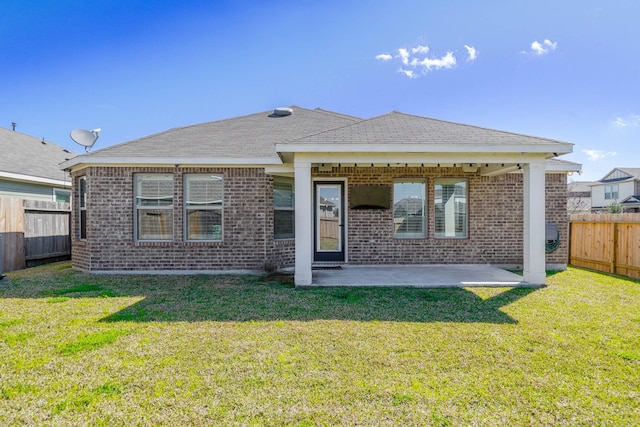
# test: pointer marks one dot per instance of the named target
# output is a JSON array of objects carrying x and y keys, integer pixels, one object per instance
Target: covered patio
[
  {"x": 418, "y": 276},
  {"x": 401, "y": 140}
]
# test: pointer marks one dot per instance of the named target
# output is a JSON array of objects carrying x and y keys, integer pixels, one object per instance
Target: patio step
[{"x": 327, "y": 265}]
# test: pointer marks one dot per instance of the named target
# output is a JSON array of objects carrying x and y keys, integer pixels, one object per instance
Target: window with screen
[
  {"x": 82, "y": 207},
  {"x": 450, "y": 197},
  {"x": 283, "y": 208},
  {"x": 409, "y": 203},
  {"x": 154, "y": 207},
  {"x": 203, "y": 195}
]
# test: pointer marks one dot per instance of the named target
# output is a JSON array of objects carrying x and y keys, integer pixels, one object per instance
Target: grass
[{"x": 80, "y": 349}]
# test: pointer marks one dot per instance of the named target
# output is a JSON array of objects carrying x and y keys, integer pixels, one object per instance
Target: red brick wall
[{"x": 495, "y": 223}]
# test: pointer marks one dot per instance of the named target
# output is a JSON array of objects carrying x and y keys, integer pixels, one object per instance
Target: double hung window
[
  {"x": 154, "y": 207},
  {"x": 203, "y": 206},
  {"x": 283, "y": 208},
  {"x": 450, "y": 208},
  {"x": 409, "y": 208},
  {"x": 611, "y": 192},
  {"x": 82, "y": 197}
]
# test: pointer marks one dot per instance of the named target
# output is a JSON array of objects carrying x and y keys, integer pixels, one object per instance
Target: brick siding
[
  {"x": 495, "y": 220},
  {"x": 494, "y": 204},
  {"x": 247, "y": 221}
]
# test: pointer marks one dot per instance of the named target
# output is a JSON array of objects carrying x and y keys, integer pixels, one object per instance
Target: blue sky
[{"x": 568, "y": 70}]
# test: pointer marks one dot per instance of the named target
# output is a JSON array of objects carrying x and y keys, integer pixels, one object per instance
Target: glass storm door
[{"x": 329, "y": 222}]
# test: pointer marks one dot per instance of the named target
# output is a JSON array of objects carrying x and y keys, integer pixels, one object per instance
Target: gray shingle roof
[
  {"x": 27, "y": 155},
  {"x": 634, "y": 172},
  {"x": 580, "y": 186},
  {"x": 401, "y": 128},
  {"x": 252, "y": 136}
]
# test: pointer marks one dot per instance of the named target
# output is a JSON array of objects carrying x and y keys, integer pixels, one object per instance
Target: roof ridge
[
  {"x": 336, "y": 114},
  {"x": 630, "y": 171},
  {"x": 358, "y": 120},
  {"x": 178, "y": 128},
  {"x": 473, "y": 126},
  {"x": 634, "y": 173}
]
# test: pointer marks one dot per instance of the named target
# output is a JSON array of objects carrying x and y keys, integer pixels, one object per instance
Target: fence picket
[
  {"x": 606, "y": 242},
  {"x": 33, "y": 230}
]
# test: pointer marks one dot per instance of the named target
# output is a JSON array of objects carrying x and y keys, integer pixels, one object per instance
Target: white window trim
[
  {"x": 290, "y": 209},
  {"x": 137, "y": 209},
  {"x": 611, "y": 191},
  {"x": 82, "y": 207},
  {"x": 186, "y": 209},
  {"x": 466, "y": 227},
  {"x": 62, "y": 191},
  {"x": 417, "y": 180}
]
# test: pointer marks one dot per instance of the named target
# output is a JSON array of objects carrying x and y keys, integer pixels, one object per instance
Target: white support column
[
  {"x": 304, "y": 222},
  {"x": 534, "y": 223}
]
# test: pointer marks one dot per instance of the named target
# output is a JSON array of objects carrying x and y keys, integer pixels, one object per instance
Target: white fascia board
[
  {"x": 35, "y": 179},
  {"x": 557, "y": 148},
  {"x": 170, "y": 161},
  {"x": 282, "y": 170},
  {"x": 567, "y": 167}
]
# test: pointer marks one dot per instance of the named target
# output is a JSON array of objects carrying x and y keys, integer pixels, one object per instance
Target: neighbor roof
[
  {"x": 631, "y": 201},
  {"x": 28, "y": 158},
  {"x": 580, "y": 187},
  {"x": 633, "y": 174}
]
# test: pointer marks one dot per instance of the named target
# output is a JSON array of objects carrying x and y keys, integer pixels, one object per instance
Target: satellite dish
[{"x": 86, "y": 138}]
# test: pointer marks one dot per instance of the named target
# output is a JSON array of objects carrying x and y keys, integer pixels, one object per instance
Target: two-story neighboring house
[{"x": 621, "y": 185}]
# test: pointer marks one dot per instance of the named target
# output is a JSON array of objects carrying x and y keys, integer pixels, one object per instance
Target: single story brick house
[{"x": 295, "y": 187}]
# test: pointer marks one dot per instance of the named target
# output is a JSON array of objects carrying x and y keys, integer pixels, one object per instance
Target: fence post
[
  {"x": 2, "y": 276},
  {"x": 614, "y": 248}
]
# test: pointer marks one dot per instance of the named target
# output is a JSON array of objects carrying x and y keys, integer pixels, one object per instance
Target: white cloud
[
  {"x": 404, "y": 55},
  {"x": 384, "y": 57},
  {"x": 416, "y": 61},
  {"x": 471, "y": 52},
  {"x": 447, "y": 61},
  {"x": 546, "y": 46},
  {"x": 408, "y": 73},
  {"x": 420, "y": 49},
  {"x": 595, "y": 155},
  {"x": 633, "y": 120}
]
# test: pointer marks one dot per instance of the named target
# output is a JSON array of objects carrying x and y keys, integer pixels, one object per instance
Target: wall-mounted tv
[{"x": 370, "y": 197}]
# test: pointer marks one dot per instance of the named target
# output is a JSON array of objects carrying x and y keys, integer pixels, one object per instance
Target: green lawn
[{"x": 80, "y": 349}]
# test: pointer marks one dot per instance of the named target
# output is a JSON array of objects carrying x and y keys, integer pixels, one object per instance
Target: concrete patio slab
[{"x": 422, "y": 276}]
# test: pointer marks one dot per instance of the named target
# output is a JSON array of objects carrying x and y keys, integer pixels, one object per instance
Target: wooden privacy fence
[
  {"x": 606, "y": 242},
  {"x": 33, "y": 230}
]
